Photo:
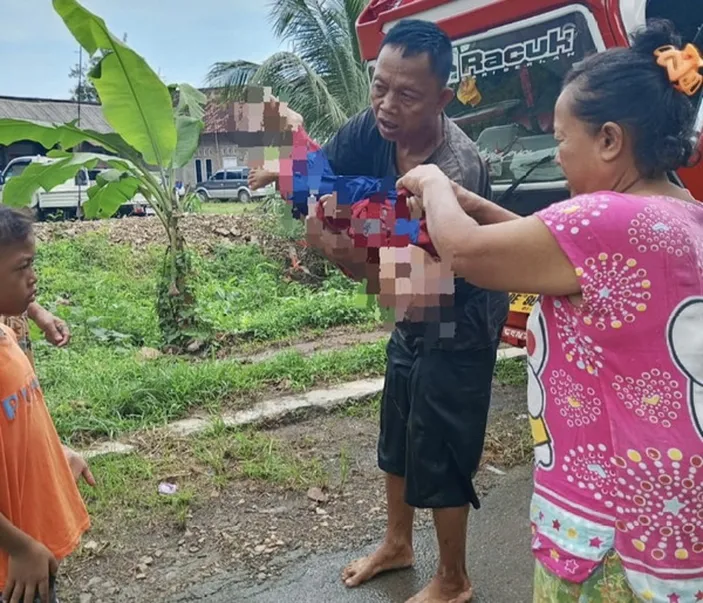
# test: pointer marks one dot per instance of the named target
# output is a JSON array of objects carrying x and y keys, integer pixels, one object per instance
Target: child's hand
[
  {"x": 28, "y": 573},
  {"x": 79, "y": 467},
  {"x": 55, "y": 330}
]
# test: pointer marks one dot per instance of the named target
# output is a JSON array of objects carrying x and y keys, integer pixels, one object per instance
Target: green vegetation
[
  {"x": 100, "y": 384},
  {"x": 156, "y": 131},
  {"x": 199, "y": 465}
]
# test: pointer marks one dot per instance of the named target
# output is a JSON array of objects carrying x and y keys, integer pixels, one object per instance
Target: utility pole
[{"x": 79, "y": 209}]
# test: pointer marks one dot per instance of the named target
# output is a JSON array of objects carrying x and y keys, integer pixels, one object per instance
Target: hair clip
[{"x": 682, "y": 66}]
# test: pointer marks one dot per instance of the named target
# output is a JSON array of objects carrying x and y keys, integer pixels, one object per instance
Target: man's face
[
  {"x": 18, "y": 283},
  {"x": 405, "y": 95}
]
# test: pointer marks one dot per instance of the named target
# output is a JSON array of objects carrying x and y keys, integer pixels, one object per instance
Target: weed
[{"x": 511, "y": 371}]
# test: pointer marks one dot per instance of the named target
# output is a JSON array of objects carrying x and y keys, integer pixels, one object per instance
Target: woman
[{"x": 616, "y": 344}]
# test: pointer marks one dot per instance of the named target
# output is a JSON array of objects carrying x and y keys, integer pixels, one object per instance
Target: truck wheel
[
  {"x": 244, "y": 196},
  {"x": 204, "y": 197}
]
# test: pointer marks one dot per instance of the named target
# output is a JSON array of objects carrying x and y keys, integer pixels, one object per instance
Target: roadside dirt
[
  {"x": 253, "y": 527},
  {"x": 203, "y": 233}
]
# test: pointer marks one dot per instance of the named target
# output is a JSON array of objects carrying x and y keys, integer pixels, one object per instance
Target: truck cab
[
  {"x": 66, "y": 199},
  {"x": 510, "y": 58}
]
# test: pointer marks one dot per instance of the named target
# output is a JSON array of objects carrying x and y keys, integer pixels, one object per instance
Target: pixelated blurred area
[
  {"x": 272, "y": 123},
  {"x": 363, "y": 220}
]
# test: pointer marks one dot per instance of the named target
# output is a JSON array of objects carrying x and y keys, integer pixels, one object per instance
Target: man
[{"x": 437, "y": 385}]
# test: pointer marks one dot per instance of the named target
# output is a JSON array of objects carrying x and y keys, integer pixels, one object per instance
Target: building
[
  {"x": 222, "y": 145},
  {"x": 47, "y": 112}
]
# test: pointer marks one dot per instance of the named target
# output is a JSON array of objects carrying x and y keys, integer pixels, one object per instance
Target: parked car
[{"x": 230, "y": 185}]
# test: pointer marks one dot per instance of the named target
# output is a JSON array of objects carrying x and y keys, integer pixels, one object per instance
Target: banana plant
[{"x": 156, "y": 130}]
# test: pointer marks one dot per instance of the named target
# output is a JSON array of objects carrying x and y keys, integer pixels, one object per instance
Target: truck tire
[{"x": 244, "y": 196}]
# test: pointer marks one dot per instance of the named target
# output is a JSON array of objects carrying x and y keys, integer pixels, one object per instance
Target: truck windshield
[{"x": 507, "y": 82}]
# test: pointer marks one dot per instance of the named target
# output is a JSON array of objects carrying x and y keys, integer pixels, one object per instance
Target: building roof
[
  {"x": 50, "y": 112},
  {"x": 219, "y": 117}
]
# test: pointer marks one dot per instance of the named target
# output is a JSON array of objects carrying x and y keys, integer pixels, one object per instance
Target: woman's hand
[
  {"x": 417, "y": 179},
  {"x": 470, "y": 202}
]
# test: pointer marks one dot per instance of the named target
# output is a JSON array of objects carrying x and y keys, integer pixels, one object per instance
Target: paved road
[{"x": 499, "y": 557}]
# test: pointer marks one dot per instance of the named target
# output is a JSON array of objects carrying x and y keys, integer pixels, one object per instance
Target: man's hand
[
  {"x": 79, "y": 467},
  {"x": 28, "y": 573},
  {"x": 259, "y": 178},
  {"x": 55, "y": 330}
]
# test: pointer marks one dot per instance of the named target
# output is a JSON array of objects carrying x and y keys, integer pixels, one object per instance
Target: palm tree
[{"x": 322, "y": 77}]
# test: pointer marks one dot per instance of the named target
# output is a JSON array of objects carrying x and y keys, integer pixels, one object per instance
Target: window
[
  {"x": 16, "y": 169},
  {"x": 208, "y": 168},
  {"x": 198, "y": 170},
  {"x": 234, "y": 175},
  {"x": 506, "y": 87},
  {"x": 219, "y": 176}
]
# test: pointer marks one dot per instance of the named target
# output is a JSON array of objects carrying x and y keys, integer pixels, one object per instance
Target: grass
[
  {"x": 511, "y": 371},
  {"x": 98, "y": 386},
  {"x": 97, "y": 393},
  {"x": 200, "y": 467}
]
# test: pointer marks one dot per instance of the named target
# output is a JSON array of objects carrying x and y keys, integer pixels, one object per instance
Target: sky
[{"x": 180, "y": 39}]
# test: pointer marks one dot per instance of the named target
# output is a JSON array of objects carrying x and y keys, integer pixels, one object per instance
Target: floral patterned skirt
[
  {"x": 20, "y": 326},
  {"x": 608, "y": 584}
]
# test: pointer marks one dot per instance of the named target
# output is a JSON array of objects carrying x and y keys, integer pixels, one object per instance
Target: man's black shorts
[{"x": 434, "y": 412}]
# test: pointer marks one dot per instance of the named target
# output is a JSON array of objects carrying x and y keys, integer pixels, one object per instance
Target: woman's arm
[
  {"x": 519, "y": 254},
  {"x": 480, "y": 209}
]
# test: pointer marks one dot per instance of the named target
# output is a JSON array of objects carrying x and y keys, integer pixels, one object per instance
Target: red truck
[{"x": 510, "y": 57}]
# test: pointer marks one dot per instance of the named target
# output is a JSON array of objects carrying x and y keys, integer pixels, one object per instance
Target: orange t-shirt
[{"x": 38, "y": 494}]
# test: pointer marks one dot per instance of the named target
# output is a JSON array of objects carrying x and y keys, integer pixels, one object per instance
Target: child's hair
[{"x": 15, "y": 226}]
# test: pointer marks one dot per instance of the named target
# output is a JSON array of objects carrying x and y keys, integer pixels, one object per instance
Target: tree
[
  {"x": 84, "y": 91},
  {"x": 323, "y": 76},
  {"x": 156, "y": 131}
]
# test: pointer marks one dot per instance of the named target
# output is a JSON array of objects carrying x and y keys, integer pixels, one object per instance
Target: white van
[{"x": 67, "y": 197}]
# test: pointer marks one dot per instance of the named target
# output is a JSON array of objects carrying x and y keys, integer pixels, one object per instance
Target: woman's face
[{"x": 592, "y": 161}]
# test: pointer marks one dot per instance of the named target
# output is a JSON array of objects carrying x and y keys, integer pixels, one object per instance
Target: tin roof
[
  {"x": 48, "y": 111},
  {"x": 219, "y": 117}
]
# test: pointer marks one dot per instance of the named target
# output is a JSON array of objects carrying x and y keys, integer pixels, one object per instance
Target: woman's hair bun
[{"x": 658, "y": 33}]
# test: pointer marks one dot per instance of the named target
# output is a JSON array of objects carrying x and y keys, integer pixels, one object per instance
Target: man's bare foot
[
  {"x": 443, "y": 590},
  {"x": 388, "y": 557}
]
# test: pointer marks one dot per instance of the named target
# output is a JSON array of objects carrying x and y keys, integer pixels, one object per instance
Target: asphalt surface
[{"x": 499, "y": 560}]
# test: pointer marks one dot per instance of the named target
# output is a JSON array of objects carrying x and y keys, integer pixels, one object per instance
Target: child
[{"x": 42, "y": 514}]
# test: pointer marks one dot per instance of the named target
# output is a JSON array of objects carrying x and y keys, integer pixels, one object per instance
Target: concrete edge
[{"x": 277, "y": 410}]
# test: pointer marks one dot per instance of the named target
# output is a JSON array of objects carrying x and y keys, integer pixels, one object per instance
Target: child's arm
[
  {"x": 55, "y": 330},
  {"x": 31, "y": 565}
]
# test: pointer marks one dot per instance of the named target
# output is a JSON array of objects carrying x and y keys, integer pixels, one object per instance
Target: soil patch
[{"x": 251, "y": 504}]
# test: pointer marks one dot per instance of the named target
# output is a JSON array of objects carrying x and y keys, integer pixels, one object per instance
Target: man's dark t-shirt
[{"x": 358, "y": 149}]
